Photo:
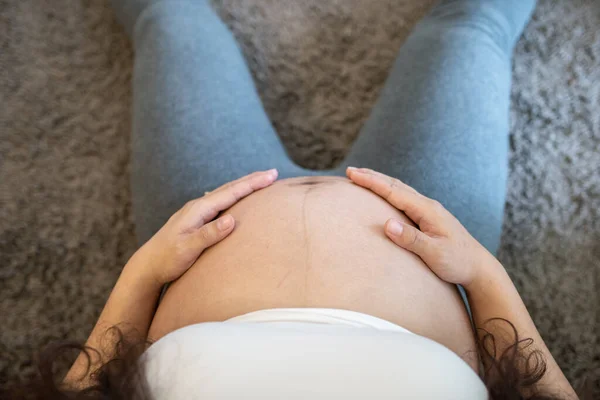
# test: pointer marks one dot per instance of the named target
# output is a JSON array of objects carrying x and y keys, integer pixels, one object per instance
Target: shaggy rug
[{"x": 65, "y": 225}]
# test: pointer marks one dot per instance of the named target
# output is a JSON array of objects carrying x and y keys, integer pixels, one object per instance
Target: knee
[
  {"x": 178, "y": 20},
  {"x": 165, "y": 13},
  {"x": 501, "y": 20}
]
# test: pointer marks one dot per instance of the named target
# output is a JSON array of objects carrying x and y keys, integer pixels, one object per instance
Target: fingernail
[
  {"x": 272, "y": 172},
  {"x": 225, "y": 222},
  {"x": 394, "y": 228}
]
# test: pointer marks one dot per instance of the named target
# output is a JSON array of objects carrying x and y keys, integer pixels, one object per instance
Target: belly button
[
  {"x": 305, "y": 183},
  {"x": 314, "y": 181}
]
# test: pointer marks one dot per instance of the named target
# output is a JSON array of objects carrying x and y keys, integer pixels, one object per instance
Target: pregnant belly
[{"x": 316, "y": 242}]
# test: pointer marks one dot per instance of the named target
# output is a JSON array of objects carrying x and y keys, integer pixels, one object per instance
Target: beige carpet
[{"x": 65, "y": 226}]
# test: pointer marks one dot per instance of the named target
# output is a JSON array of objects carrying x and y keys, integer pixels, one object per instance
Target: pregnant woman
[{"x": 289, "y": 283}]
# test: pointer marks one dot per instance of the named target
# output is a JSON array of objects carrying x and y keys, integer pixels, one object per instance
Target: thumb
[
  {"x": 186, "y": 251},
  {"x": 212, "y": 233},
  {"x": 408, "y": 237}
]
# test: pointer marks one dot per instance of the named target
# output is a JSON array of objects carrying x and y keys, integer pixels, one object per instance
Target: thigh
[
  {"x": 197, "y": 119},
  {"x": 441, "y": 123}
]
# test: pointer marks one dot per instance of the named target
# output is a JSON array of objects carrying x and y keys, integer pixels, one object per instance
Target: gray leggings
[{"x": 440, "y": 125}]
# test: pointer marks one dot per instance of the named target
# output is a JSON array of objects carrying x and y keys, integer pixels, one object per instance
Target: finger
[
  {"x": 397, "y": 193},
  {"x": 212, "y": 233},
  {"x": 409, "y": 238},
  {"x": 250, "y": 177},
  {"x": 397, "y": 182},
  {"x": 207, "y": 207}
]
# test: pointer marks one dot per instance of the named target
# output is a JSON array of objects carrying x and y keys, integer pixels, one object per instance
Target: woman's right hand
[
  {"x": 440, "y": 240},
  {"x": 455, "y": 256}
]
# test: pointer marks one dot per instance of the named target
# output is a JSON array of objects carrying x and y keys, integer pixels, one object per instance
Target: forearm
[
  {"x": 131, "y": 306},
  {"x": 493, "y": 295}
]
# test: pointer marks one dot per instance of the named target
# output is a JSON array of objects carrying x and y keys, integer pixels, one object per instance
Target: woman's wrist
[
  {"x": 486, "y": 270},
  {"x": 141, "y": 270}
]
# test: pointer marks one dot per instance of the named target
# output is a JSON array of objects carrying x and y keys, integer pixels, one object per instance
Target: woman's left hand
[{"x": 179, "y": 243}]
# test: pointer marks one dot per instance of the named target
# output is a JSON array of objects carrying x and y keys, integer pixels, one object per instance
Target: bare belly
[{"x": 321, "y": 244}]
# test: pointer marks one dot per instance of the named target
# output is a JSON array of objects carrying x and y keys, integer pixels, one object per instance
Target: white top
[{"x": 305, "y": 353}]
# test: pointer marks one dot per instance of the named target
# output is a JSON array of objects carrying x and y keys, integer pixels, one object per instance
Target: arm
[
  {"x": 492, "y": 294},
  {"x": 164, "y": 258},
  {"x": 448, "y": 249},
  {"x": 131, "y": 305}
]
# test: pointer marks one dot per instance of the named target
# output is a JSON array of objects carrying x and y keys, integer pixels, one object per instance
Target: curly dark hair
[{"x": 512, "y": 374}]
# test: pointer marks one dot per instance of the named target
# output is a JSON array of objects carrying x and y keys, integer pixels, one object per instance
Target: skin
[
  {"x": 316, "y": 242},
  {"x": 455, "y": 256},
  {"x": 165, "y": 257},
  {"x": 373, "y": 245}
]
